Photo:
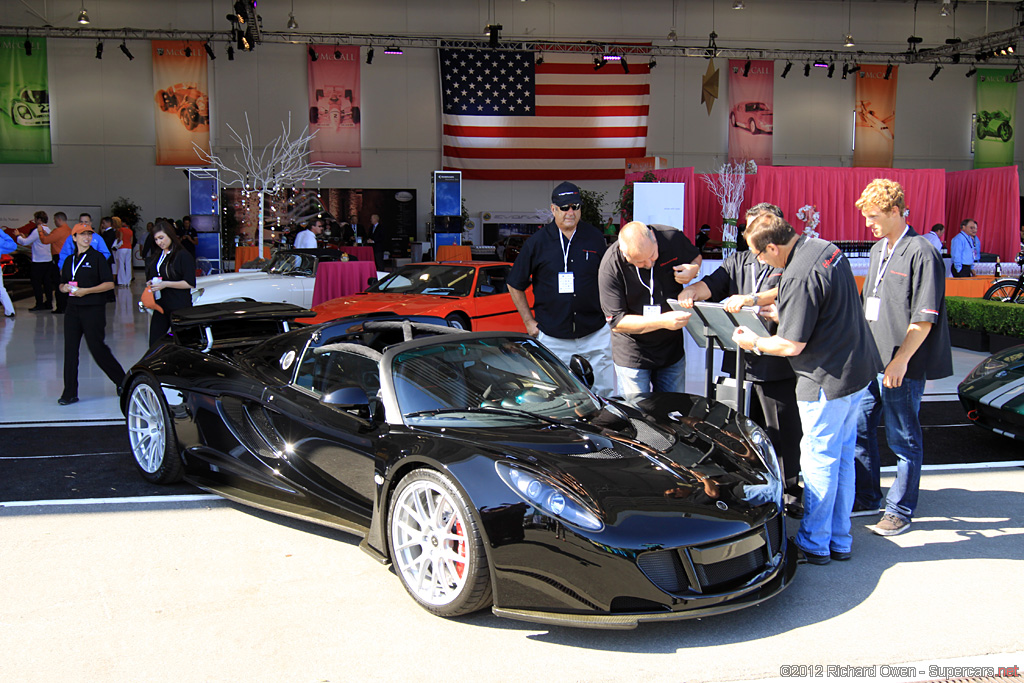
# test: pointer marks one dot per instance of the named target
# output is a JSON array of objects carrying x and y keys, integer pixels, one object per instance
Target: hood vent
[{"x": 651, "y": 437}]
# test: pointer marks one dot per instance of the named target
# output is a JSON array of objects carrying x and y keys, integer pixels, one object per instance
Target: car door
[{"x": 492, "y": 307}]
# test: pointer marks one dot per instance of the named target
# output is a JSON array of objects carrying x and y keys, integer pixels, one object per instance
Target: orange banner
[
  {"x": 334, "y": 105},
  {"x": 182, "y": 102},
  {"x": 875, "y": 115}
]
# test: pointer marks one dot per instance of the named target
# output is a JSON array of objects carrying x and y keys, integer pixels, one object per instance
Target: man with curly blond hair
[{"x": 904, "y": 304}]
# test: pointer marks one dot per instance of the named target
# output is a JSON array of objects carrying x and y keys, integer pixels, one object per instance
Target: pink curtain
[{"x": 991, "y": 196}]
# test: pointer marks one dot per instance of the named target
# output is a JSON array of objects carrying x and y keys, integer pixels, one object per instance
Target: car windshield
[
  {"x": 442, "y": 280},
  {"x": 487, "y": 383},
  {"x": 757, "y": 106},
  {"x": 286, "y": 263}
]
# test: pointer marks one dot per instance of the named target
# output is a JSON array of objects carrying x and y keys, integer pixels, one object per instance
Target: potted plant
[
  {"x": 128, "y": 211},
  {"x": 624, "y": 204},
  {"x": 982, "y": 325}
]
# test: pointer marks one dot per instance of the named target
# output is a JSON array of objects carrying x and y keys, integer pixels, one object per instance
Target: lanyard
[
  {"x": 565, "y": 249},
  {"x": 758, "y": 281},
  {"x": 160, "y": 263},
  {"x": 649, "y": 289},
  {"x": 885, "y": 263},
  {"x": 76, "y": 266}
]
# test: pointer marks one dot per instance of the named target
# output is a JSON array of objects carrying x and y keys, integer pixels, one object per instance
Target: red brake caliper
[{"x": 460, "y": 547}]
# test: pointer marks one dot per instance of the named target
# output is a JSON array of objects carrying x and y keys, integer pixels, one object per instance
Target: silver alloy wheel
[
  {"x": 147, "y": 431},
  {"x": 431, "y": 546}
]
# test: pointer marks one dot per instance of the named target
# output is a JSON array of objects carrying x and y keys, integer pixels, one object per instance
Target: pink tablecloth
[
  {"x": 361, "y": 253},
  {"x": 341, "y": 278}
]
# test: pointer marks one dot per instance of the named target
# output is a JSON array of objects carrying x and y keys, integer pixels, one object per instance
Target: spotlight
[
  {"x": 846, "y": 70},
  {"x": 712, "y": 49},
  {"x": 188, "y": 51},
  {"x": 785, "y": 71},
  {"x": 746, "y": 68},
  {"x": 672, "y": 35},
  {"x": 127, "y": 53},
  {"x": 807, "y": 69},
  {"x": 393, "y": 50},
  {"x": 653, "y": 63},
  {"x": 848, "y": 40},
  {"x": 855, "y": 68},
  {"x": 944, "y": 12},
  {"x": 312, "y": 54},
  {"x": 598, "y": 62},
  {"x": 292, "y": 24},
  {"x": 973, "y": 70},
  {"x": 938, "y": 68},
  {"x": 625, "y": 66},
  {"x": 821, "y": 64},
  {"x": 540, "y": 58},
  {"x": 28, "y": 47},
  {"x": 231, "y": 53},
  {"x": 99, "y": 50},
  {"x": 209, "y": 50},
  {"x": 738, "y": 4},
  {"x": 83, "y": 16},
  {"x": 369, "y": 55},
  {"x": 337, "y": 53},
  {"x": 493, "y": 31},
  {"x": 831, "y": 69},
  {"x": 888, "y": 71}
]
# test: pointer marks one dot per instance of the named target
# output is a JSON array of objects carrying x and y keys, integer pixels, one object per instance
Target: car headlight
[
  {"x": 549, "y": 497},
  {"x": 196, "y": 294},
  {"x": 759, "y": 441},
  {"x": 990, "y": 365}
]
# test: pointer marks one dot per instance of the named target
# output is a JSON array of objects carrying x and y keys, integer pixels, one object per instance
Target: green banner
[
  {"x": 24, "y": 101},
  {"x": 994, "y": 122}
]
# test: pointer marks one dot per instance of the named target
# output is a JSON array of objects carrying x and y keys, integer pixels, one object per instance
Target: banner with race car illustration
[
  {"x": 874, "y": 115},
  {"x": 182, "y": 102},
  {"x": 751, "y": 92},
  {"x": 994, "y": 119},
  {"x": 334, "y": 104},
  {"x": 24, "y": 101}
]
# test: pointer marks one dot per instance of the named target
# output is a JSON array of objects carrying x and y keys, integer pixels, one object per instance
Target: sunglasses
[{"x": 567, "y": 207}]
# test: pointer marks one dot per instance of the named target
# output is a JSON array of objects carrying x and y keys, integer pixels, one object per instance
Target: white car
[{"x": 288, "y": 277}]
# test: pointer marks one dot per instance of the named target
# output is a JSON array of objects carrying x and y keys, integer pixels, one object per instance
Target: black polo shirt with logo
[
  {"x": 93, "y": 271},
  {"x": 819, "y": 306},
  {"x": 564, "y": 316}
]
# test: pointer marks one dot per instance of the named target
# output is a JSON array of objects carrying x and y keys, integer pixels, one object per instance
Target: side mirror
[
  {"x": 349, "y": 398},
  {"x": 581, "y": 367},
  {"x": 371, "y": 281}
]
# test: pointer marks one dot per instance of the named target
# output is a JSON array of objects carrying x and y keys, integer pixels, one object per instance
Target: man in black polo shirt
[
  {"x": 647, "y": 266},
  {"x": 561, "y": 262},
  {"x": 905, "y": 306},
  {"x": 823, "y": 333}
]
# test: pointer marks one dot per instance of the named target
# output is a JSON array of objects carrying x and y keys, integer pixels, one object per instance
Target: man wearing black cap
[{"x": 561, "y": 262}]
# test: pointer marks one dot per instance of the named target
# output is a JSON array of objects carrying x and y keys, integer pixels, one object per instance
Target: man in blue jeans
[
  {"x": 905, "y": 306},
  {"x": 823, "y": 333}
]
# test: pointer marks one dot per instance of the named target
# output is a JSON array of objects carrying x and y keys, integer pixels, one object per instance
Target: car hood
[
  {"x": 210, "y": 280},
  {"x": 399, "y": 304},
  {"x": 998, "y": 381},
  {"x": 696, "y": 478}
]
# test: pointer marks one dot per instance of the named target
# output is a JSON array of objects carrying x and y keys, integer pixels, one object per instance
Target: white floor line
[
  {"x": 66, "y": 423},
  {"x": 68, "y": 455},
  {"x": 112, "y": 501}
]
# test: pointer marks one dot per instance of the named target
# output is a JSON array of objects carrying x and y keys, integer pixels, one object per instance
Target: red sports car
[{"x": 471, "y": 295}]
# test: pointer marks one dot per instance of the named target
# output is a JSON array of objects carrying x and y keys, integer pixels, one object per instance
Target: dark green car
[{"x": 993, "y": 393}]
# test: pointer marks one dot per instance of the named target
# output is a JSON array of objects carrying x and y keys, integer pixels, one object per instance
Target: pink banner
[
  {"x": 876, "y": 115},
  {"x": 334, "y": 104},
  {"x": 182, "y": 102},
  {"x": 751, "y": 91}
]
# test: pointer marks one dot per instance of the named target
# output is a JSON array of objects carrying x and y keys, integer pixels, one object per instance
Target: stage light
[
  {"x": 83, "y": 16},
  {"x": 99, "y": 50},
  {"x": 785, "y": 70},
  {"x": 938, "y": 68},
  {"x": 846, "y": 71},
  {"x": 807, "y": 69},
  {"x": 653, "y": 63},
  {"x": 493, "y": 34},
  {"x": 127, "y": 53},
  {"x": 231, "y": 53},
  {"x": 292, "y": 24},
  {"x": 209, "y": 50},
  {"x": 944, "y": 12},
  {"x": 746, "y": 69},
  {"x": 393, "y": 50},
  {"x": 28, "y": 47},
  {"x": 831, "y": 69},
  {"x": 855, "y": 68},
  {"x": 369, "y": 55},
  {"x": 973, "y": 70},
  {"x": 188, "y": 50},
  {"x": 598, "y": 62},
  {"x": 312, "y": 54},
  {"x": 848, "y": 40},
  {"x": 888, "y": 71},
  {"x": 625, "y": 66},
  {"x": 738, "y": 4},
  {"x": 540, "y": 58},
  {"x": 337, "y": 53},
  {"x": 672, "y": 35}
]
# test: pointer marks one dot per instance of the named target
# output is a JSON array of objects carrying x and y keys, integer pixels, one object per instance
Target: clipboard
[{"x": 719, "y": 322}]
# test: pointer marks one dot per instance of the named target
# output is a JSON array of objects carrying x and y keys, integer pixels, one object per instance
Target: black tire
[
  {"x": 151, "y": 433},
  {"x": 1005, "y": 290},
  {"x": 448, "y": 578},
  {"x": 355, "y": 114},
  {"x": 981, "y": 131},
  {"x": 459, "y": 321},
  {"x": 1005, "y": 131},
  {"x": 314, "y": 114}
]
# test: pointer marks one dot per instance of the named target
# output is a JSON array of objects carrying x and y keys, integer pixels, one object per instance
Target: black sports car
[
  {"x": 474, "y": 462},
  {"x": 993, "y": 393}
]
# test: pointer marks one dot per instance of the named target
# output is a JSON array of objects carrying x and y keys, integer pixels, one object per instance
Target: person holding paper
[
  {"x": 741, "y": 281},
  {"x": 638, "y": 274},
  {"x": 905, "y": 306},
  {"x": 823, "y": 332}
]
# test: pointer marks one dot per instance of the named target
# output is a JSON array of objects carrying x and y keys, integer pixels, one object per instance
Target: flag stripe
[{"x": 505, "y": 117}]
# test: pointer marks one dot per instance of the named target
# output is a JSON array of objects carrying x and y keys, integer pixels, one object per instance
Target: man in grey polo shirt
[
  {"x": 905, "y": 306},
  {"x": 823, "y": 333}
]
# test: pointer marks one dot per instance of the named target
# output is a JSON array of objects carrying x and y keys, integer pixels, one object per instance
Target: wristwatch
[
  {"x": 753, "y": 299},
  {"x": 754, "y": 348}
]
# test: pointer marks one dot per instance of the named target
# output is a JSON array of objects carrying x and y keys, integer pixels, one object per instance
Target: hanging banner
[
  {"x": 182, "y": 102},
  {"x": 751, "y": 91},
  {"x": 24, "y": 101},
  {"x": 334, "y": 104},
  {"x": 994, "y": 121},
  {"x": 875, "y": 115}
]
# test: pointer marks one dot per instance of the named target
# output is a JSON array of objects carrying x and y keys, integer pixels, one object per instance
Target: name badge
[
  {"x": 565, "y": 283},
  {"x": 651, "y": 311},
  {"x": 871, "y": 308}
]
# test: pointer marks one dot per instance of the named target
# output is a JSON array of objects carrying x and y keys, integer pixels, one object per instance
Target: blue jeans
[
  {"x": 826, "y": 461},
  {"x": 901, "y": 409},
  {"x": 637, "y": 381}
]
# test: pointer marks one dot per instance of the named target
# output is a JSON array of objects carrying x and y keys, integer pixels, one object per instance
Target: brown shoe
[{"x": 890, "y": 525}]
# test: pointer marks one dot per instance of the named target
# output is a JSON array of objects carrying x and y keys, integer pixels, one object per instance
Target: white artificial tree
[
  {"x": 282, "y": 163},
  {"x": 728, "y": 185}
]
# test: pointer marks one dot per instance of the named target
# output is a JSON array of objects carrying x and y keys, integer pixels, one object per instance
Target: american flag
[{"x": 505, "y": 117}]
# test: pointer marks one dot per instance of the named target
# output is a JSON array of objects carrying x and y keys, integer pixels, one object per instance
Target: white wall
[{"x": 103, "y": 114}]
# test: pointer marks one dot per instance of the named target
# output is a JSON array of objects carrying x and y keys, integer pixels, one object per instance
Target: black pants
[
  {"x": 62, "y": 298},
  {"x": 40, "y": 274},
  {"x": 965, "y": 271},
  {"x": 775, "y": 409},
  {"x": 89, "y": 322}
]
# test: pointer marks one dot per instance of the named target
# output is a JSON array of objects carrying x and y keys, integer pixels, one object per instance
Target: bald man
[{"x": 638, "y": 274}]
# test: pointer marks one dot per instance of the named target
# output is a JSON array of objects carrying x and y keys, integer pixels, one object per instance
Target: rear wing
[{"x": 233, "y": 324}]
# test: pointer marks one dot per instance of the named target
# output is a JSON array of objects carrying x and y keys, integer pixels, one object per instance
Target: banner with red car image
[
  {"x": 875, "y": 115},
  {"x": 182, "y": 102},
  {"x": 751, "y": 91},
  {"x": 334, "y": 104}
]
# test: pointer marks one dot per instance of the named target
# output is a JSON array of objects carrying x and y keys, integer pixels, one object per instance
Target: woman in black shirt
[
  {"x": 86, "y": 278},
  {"x": 171, "y": 274}
]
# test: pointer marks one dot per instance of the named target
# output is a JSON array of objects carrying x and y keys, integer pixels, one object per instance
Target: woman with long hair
[{"x": 171, "y": 275}]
